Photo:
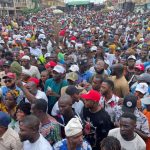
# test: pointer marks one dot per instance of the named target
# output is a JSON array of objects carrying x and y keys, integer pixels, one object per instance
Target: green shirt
[{"x": 56, "y": 87}]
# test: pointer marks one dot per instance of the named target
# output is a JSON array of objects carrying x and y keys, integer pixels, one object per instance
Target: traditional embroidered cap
[
  {"x": 25, "y": 57},
  {"x": 73, "y": 127}
]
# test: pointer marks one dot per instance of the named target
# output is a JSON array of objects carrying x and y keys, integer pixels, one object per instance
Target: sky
[{"x": 95, "y": 1}]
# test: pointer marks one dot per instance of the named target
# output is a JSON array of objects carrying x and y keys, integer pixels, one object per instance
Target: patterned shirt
[
  {"x": 51, "y": 132},
  {"x": 62, "y": 145},
  {"x": 141, "y": 123},
  {"x": 110, "y": 105}
]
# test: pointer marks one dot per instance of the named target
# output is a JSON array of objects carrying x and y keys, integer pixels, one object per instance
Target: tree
[{"x": 36, "y": 2}]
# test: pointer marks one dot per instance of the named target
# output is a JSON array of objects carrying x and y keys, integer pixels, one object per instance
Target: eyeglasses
[{"x": 9, "y": 80}]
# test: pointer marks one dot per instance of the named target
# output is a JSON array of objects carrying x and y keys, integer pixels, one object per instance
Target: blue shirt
[
  {"x": 85, "y": 76},
  {"x": 62, "y": 145}
]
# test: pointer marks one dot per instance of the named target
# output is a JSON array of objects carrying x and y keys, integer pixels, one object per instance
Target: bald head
[
  {"x": 66, "y": 99},
  {"x": 118, "y": 69},
  {"x": 65, "y": 104},
  {"x": 31, "y": 122}
]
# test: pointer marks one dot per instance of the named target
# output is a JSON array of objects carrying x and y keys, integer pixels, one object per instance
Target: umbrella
[{"x": 57, "y": 11}]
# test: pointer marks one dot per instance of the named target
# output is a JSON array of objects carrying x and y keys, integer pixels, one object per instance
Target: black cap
[
  {"x": 7, "y": 63},
  {"x": 129, "y": 103},
  {"x": 71, "y": 90}
]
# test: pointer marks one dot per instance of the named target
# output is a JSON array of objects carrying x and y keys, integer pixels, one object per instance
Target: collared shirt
[
  {"x": 110, "y": 105},
  {"x": 141, "y": 123},
  {"x": 62, "y": 145},
  {"x": 10, "y": 141}
]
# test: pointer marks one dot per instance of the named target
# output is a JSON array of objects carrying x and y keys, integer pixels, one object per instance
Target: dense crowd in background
[{"x": 79, "y": 80}]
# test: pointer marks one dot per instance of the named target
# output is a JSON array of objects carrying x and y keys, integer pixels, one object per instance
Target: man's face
[
  {"x": 31, "y": 87},
  {"x": 56, "y": 75},
  {"x": 88, "y": 103},
  {"x": 9, "y": 82},
  {"x": 127, "y": 127},
  {"x": 24, "y": 62},
  {"x": 25, "y": 132},
  {"x": 144, "y": 54},
  {"x": 104, "y": 88},
  {"x": 138, "y": 94},
  {"x": 131, "y": 63},
  {"x": 34, "y": 111},
  {"x": 76, "y": 140},
  {"x": 44, "y": 76},
  {"x": 63, "y": 107},
  {"x": 6, "y": 69},
  {"x": 96, "y": 84}
]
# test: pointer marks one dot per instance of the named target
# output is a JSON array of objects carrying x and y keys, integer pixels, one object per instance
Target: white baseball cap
[
  {"x": 132, "y": 57},
  {"x": 74, "y": 68},
  {"x": 93, "y": 48},
  {"x": 142, "y": 87},
  {"x": 59, "y": 69}
]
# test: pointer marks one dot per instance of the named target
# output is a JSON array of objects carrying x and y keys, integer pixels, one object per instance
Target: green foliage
[{"x": 27, "y": 11}]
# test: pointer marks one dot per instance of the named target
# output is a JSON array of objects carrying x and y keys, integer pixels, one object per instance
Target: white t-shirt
[
  {"x": 40, "y": 144},
  {"x": 34, "y": 71},
  {"x": 136, "y": 144},
  {"x": 39, "y": 95},
  {"x": 78, "y": 106}
]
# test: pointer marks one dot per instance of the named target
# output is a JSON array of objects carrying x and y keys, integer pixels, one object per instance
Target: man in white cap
[
  {"x": 25, "y": 62},
  {"x": 53, "y": 86},
  {"x": 74, "y": 137}
]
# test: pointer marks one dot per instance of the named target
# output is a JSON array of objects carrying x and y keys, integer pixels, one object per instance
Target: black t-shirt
[{"x": 102, "y": 123}]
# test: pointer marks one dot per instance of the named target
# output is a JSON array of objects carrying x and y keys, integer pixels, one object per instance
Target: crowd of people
[{"x": 75, "y": 81}]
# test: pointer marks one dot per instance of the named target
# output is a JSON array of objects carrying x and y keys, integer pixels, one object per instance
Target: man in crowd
[
  {"x": 53, "y": 86},
  {"x": 26, "y": 64},
  {"x": 9, "y": 139},
  {"x": 97, "y": 120},
  {"x": 108, "y": 100},
  {"x": 30, "y": 136},
  {"x": 126, "y": 135},
  {"x": 49, "y": 127},
  {"x": 121, "y": 86},
  {"x": 77, "y": 104},
  {"x": 74, "y": 137},
  {"x": 130, "y": 105}
]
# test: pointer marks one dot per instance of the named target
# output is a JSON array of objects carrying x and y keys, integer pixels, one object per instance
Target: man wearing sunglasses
[
  {"x": 9, "y": 80},
  {"x": 5, "y": 70}
]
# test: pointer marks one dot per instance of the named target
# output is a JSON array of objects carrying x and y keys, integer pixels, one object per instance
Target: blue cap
[{"x": 4, "y": 119}]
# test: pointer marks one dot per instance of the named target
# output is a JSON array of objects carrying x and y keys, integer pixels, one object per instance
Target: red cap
[
  {"x": 140, "y": 67},
  {"x": 35, "y": 80},
  {"x": 50, "y": 64},
  {"x": 10, "y": 75},
  {"x": 89, "y": 43},
  {"x": 92, "y": 95}
]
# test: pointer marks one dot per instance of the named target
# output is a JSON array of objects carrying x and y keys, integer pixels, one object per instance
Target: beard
[{"x": 99, "y": 71}]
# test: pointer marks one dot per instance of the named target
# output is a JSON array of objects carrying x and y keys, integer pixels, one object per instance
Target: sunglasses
[{"x": 9, "y": 80}]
